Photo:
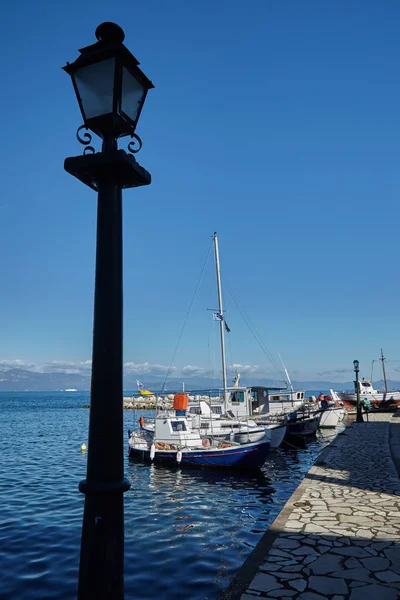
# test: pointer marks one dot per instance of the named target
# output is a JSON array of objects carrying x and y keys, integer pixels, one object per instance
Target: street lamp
[
  {"x": 111, "y": 90},
  {"x": 359, "y": 418}
]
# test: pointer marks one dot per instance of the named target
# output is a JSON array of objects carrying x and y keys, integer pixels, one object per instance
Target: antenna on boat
[
  {"x": 236, "y": 380},
  {"x": 286, "y": 373},
  {"x": 221, "y": 312},
  {"x": 384, "y": 370}
]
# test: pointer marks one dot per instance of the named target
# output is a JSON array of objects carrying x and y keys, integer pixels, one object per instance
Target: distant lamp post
[
  {"x": 111, "y": 90},
  {"x": 359, "y": 418}
]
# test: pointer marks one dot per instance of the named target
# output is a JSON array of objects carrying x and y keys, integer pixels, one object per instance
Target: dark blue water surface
[{"x": 186, "y": 531}]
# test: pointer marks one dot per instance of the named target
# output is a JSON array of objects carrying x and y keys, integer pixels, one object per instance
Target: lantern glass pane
[
  {"x": 132, "y": 95},
  {"x": 95, "y": 85}
]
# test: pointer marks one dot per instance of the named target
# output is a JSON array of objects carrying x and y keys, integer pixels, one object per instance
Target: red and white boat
[{"x": 378, "y": 399}]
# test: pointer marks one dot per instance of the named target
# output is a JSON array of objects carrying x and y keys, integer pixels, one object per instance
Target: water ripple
[{"x": 186, "y": 530}]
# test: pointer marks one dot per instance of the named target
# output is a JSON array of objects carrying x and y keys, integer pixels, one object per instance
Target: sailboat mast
[
  {"x": 286, "y": 373},
  {"x": 221, "y": 311},
  {"x": 384, "y": 370}
]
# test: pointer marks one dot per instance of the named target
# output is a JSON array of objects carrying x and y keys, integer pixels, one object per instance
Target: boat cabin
[
  {"x": 244, "y": 402},
  {"x": 176, "y": 431},
  {"x": 365, "y": 387}
]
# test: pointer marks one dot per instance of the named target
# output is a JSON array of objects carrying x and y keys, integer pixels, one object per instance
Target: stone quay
[{"x": 338, "y": 536}]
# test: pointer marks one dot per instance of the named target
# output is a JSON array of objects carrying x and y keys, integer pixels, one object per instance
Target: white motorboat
[
  {"x": 175, "y": 442},
  {"x": 331, "y": 417}
]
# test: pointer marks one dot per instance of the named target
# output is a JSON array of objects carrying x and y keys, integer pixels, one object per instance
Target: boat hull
[
  {"x": 303, "y": 427},
  {"x": 377, "y": 399},
  {"x": 278, "y": 433},
  {"x": 246, "y": 456},
  {"x": 331, "y": 417}
]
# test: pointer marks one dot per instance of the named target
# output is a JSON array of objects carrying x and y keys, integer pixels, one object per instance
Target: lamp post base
[{"x": 101, "y": 573}]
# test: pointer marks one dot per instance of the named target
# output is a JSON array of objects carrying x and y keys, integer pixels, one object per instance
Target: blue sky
[{"x": 274, "y": 123}]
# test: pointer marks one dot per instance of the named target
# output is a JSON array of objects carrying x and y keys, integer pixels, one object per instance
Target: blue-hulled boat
[{"x": 175, "y": 442}]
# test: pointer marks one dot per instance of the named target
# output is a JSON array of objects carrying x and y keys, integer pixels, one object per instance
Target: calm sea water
[{"x": 186, "y": 531}]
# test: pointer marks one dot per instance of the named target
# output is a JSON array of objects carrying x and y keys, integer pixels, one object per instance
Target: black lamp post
[
  {"x": 359, "y": 418},
  {"x": 111, "y": 90}
]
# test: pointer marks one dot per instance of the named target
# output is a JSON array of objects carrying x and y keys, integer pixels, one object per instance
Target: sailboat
[
  {"x": 236, "y": 408},
  {"x": 176, "y": 438},
  {"x": 377, "y": 399}
]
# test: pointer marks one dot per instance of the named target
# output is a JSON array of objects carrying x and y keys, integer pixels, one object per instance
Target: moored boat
[
  {"x": 377, "y": 399},
  {"x": 175, "y": 442},
  {"x": 331, "y": 410},
  {"x": 302, "y": 424}
]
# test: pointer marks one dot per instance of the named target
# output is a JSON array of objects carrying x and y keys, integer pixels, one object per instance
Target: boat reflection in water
[{"x": 191, "y": 529}]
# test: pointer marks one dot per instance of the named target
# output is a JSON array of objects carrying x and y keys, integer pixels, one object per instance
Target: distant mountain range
[{"x": 23, "y": 380}]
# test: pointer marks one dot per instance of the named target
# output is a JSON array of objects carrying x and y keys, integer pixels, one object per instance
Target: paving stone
[
  {"x": 303, "y": 551},
  {"x": 285, "y": 544},
  {"x": 309, "y": 540},
  {"x": 248, "y": 597},
  {"x": 281, "y": 553},
  {"x": 352, "y": 519},
  {"x": 327, "y": 585},
  {"x": 357, "y": 574},
  {"x": 370, "y": 550},
  {"x": 326, "y": 564},
  {"x": 310, "y": 596},
  {"x": 311, "y": 528},
  {"x": 388, "y": 576},
  {"x": 286, "y": 576},
  {"x": 351, "y": 551},
  {"x": 365, "y": 533},
  {"x": 342, "y": 510},
  {"x": 298, "y": 584},
  {"x": 310, "y": 558},
  {"x": 345, "y": 526},
  {"x": 268, "y": 566},
  {"x": 277, "y": 559},
  {"x": 380, "y": 545},
  {"x": 375, "y": 564},
  {"x": 373, "y": 592},
  {"x": 292, "y": 568},
  {"x": 293, "y": 525},
  {"x": 393, "y": 554},
  {"x": 264, "y": 583},
  {"x": 353, "y": 563}
]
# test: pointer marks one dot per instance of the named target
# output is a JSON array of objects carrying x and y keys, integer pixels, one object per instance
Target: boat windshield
[
  {"x": 237, "y": 397},
  {"x": 178, "y": 425}
]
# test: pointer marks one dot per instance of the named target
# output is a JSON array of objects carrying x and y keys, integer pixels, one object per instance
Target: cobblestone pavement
[{"x": 338, "y": 537}]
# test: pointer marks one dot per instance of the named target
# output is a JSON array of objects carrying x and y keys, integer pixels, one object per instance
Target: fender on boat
[{"x": 152, "y": 451}]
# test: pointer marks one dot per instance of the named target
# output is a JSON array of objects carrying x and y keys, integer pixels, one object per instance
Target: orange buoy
[{"x": 141, "y": 421}]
